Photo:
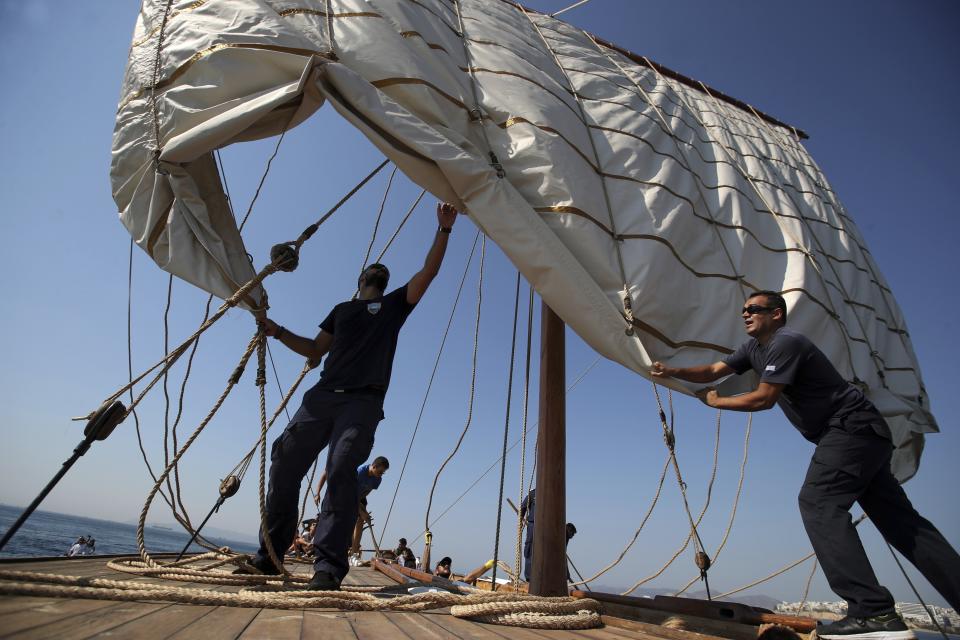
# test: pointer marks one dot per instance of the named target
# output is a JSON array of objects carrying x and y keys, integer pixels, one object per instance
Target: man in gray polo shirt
[{"x": 851, "y": 463}]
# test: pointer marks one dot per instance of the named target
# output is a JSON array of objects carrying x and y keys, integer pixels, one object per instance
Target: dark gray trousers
[
  {"x": 346, "y": 423},
  {"x": 853, "y": 464}
]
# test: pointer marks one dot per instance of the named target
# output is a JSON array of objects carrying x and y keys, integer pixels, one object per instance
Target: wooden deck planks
[
  {"x": 39, "y": 617},
  {"x": 327, "y": 625},
  {"x": 274, "y": 624},
  {"x": 420, "y": 625},
  {"x": 221, "y": 622},
  {"x": 161, "y": 623},
  {"x": 91, "y": 623},
  {"x": 55, "y": 609},
  {"x": 374, "y": 625}
]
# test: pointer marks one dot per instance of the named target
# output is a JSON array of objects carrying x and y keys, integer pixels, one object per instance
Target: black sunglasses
[{"x": 755, "y": 308}]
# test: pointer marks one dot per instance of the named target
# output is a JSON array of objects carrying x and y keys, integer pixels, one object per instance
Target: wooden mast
[{"x": 549, "y": 567}]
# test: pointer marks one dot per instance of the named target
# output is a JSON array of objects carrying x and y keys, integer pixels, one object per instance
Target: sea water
[{"x": 51, "y": 534}]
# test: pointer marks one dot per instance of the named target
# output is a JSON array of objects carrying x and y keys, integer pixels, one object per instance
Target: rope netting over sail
[{"x": 637, "y": 202}]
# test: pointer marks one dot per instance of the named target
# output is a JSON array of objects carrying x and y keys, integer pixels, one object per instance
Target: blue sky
[{"x": 870, "y": 82}]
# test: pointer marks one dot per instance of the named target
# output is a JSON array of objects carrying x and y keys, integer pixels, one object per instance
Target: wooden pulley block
[
  {"x": 229, "y": 486},
  {"x": 105, "y": 420}
]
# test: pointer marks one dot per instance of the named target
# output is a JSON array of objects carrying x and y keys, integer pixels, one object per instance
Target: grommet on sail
[{"x": 638, "y": 203}]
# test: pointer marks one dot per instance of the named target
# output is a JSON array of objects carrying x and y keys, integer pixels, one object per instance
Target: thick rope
[
  {"x": 156, "y": 487},
  {"x": 275, "y": 555},
  {"x": 514, "y": 609}
]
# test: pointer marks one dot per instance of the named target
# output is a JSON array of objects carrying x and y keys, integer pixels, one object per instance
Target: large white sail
[{"x": 642, "y": 208}]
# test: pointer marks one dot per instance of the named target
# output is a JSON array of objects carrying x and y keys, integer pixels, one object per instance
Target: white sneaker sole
[{"x": 871, "y": 635}]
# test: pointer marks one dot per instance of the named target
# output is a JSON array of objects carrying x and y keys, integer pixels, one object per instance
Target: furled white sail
[{"x": 605, "y": 181}]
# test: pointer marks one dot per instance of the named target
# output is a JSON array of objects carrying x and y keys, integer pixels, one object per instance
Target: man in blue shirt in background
[{"x": 369, "y": 477}]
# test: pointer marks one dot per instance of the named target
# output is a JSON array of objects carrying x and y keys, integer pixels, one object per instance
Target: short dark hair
[
  {"x": 374, "y": 265},
  {"x": 403, "y": 541},
  {"x": 774, "y": 301},
  {"x": 380, "y": 461},
  {"x": 445, "y": 561}
]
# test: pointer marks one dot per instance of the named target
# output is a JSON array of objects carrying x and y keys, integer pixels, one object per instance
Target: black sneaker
[
  {"x": 889, "y": 626},
  {"x": 258, "y": 566},
  {"x": 324, "y": 581}
]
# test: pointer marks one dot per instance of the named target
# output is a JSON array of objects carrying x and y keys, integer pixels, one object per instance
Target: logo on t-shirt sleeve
[{"x": 770, "y": 367}]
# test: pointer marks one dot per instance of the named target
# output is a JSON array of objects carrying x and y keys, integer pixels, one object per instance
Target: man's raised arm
[{"x": 446, "y": 216}]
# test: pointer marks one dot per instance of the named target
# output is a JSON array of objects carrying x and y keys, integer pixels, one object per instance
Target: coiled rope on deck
[{"x": 508, "y": 609}]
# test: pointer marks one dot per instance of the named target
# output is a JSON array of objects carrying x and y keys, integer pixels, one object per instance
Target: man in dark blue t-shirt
[
  {"x": 341, "y": 412},
  {"x": 851, "y": 463}
]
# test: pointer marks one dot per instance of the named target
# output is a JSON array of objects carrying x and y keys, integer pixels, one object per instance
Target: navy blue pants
[
  {"x": 346, "y": 423},
  {"x": 528, "y": 553},
  {"x": 853, "y": 464}
]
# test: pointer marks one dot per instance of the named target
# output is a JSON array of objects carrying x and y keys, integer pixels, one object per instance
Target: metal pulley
[
  {"x": 703, "y": 561},
  {"x": 229, "y": 487},
  {"x": 105, "y": 420}
]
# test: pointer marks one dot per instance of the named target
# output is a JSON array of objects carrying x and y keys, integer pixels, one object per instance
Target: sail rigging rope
[
  {"x": 476, "y": 114},
  {"x": 643, "y": 522},
  {"x": 835, "y": 203},
  {"x": 670, "y": 440},
  {"x": 806, "y": 588},
  {"x": 736, "y": 503},
  {"x": 234, "y": 300},
  {"x": 703, "y": 511},
  {"x": 686, "y": 159},
  {"x": 153, "y": 85},
  {"x": 565, "y": 9},
  {"x": 433, "y": 374},
  {"x": 376, "y": 224},
  {"x": 506, "y": 434},
  {"x": 776, "y": 215},
  {"x": 473, "y": 386},
  {"x": 497, "y": 461},
  {"x": 915, "y": 592},
  {"x": 523, "y": 448},
  {"x": 627, "y": 300}
]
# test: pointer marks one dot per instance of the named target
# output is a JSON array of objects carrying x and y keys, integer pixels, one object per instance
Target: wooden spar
[
  {"x": 713, "y": 609},
  {"x": 399, "y": 573},
  {"x": 549, "y": 567}
]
